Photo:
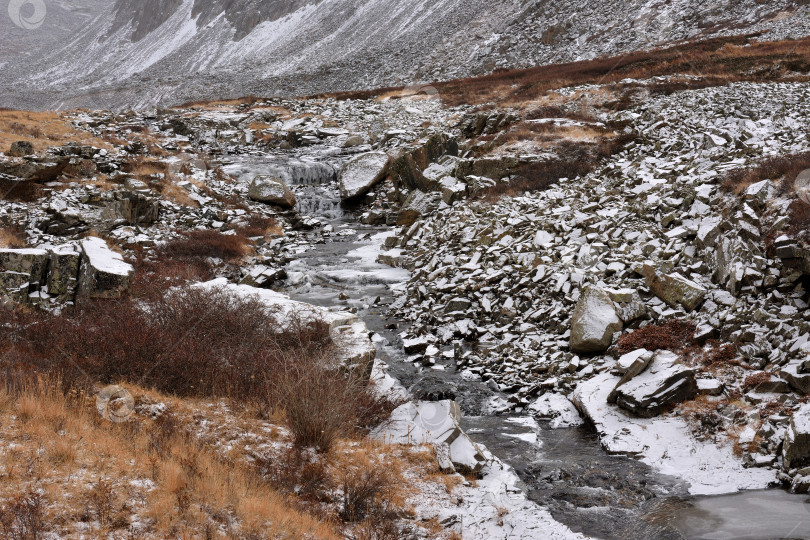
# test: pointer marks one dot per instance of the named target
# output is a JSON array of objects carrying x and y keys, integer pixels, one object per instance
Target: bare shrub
[
  {"x": 206, "y": 243},
  {"x": 22, "y": 517},
  {"x": 674, "y": 335},
  {"x": 101, "y": 501},
  {"x": 367, "y": 489},
  {"x": 777, "y": 168},
  {"x": 258, "y": 225},
  {"x": 296, "y": 470},
  {"x": 752, "y": 381},
  {"x": 190, "y": 341},
  {"x": 319, "y": 401}
]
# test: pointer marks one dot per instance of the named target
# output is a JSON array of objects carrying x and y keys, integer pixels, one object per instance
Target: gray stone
[
  {"x": 103, "y": 274},
  {"x": 457, "y": 304},
  {"x": 132, "y": 208},
  {"x": 14, "y": 287},
  {"x": 33, "y": 262},
  {"x": 796, "y": 448},
  {"x": 270, "y": 189},
  {"x": 594, "y": 322},
  {"x": 21, "y": 148},
  {"x": 362, "y": 173},
  {"x": 674, "y": 289},
  {"x": 630, "y": 365},
  {"x": 797, "y": 380},
  {"x": 63, "y": 274},
  {"x": 418, "y": 205},
  {"x": 665, "y": 382},
  {"x": 628, "y": 303}
]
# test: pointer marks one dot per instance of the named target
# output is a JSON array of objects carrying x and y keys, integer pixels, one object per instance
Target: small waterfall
[
  {"x": 319, "y": 201},
  {"x": 314, "y": 182}
]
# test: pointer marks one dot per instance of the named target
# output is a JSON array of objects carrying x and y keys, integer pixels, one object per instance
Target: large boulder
[
  {"x": 63, "y": 274},
  {"x": 132, "y": 208},
  {"x": 104, "y": 273},
  {"x": 436, "y": 423},
  {"x": 796, "y": 448},
  {"x": 269, "y": 189},
  {"x": 35, "y": 169},
  {"x": 22, "y": 271},
  {"x": 33, "y": 262},
  {"x": 362, "y": 173},
  {"x": 594, "y": 322},
  {"x": 793, "y": 374},
  {"x": 20, "y": 149},
  {"x": 665, "y": 382},
  {"x": 14, "y": 287},
  {"x": 417, "y": 206},
  {"x": 674, "y": 289}
]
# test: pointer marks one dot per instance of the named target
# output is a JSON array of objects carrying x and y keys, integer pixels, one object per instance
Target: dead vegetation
[
  {"x": 194, "y": 469},
  {"x": 150, "y": 478},
  {"x": 674, "y": 335},
  {"x": 782, "y": 170},
  {"x": 714, "y": 62},
  {"x": 12, "y": 236},
  {"x": 42, "y": 130}
]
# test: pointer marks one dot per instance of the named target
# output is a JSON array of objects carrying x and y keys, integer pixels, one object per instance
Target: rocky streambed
[{"x": 560, "y": 462}]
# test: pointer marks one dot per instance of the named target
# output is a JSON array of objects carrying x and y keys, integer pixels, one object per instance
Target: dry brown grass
[
  {"x": 783, "y": 170},
  {"x": 12, "y": 237},
  {"x": 717, "y": 61},
  {"x": 43, "y": 130},
  {"x": 154, "y": 472}
]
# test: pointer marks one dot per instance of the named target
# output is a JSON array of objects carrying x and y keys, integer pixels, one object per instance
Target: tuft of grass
[{"x": 783, "y": 170}]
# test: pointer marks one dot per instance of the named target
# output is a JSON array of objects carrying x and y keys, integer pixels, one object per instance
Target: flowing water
[{"x": 565, "y": 470}]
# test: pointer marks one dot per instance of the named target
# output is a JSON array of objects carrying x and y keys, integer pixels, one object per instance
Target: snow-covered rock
[
  {"x": 558, "y": 409},
  {"x": 104, "y": 273},
  {"x": 796, "y": 448},
  {"x": 432, "y": 422},
  {"x": 594, "y": 322},
  {"x": 361, "y": 173},
  {"x": 269, "y": 189},
  {"x": 666, "y": 443},
  {"x": 664, "y": 382}
]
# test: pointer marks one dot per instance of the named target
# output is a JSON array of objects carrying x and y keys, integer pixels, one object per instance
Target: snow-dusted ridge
[{"x": 203, "y": 49}]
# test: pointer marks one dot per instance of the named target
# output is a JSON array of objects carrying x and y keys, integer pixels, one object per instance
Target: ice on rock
[{"x": 558, "y": 409}]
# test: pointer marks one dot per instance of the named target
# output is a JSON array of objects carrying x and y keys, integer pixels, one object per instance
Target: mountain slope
[{"x": 159, "y": 52}]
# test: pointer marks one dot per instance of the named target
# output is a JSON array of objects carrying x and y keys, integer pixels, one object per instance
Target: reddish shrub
[
  {"x": 674, "y": 335},
  {"x": 756, "y": 379},
  {"x": 257, "y": 225},
  {"x": 785, "y": 168},
  {"x": 22, "y": 517},
  {"x": 206, "y": 243}
]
